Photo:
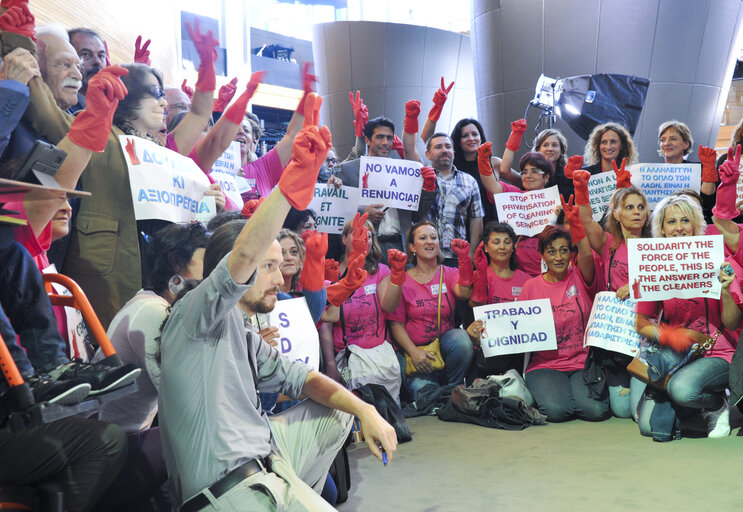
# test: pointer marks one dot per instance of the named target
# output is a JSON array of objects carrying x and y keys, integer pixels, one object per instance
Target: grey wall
[
  {"x": 685, "y": 47},
  {"x": 390, "y": 64}
]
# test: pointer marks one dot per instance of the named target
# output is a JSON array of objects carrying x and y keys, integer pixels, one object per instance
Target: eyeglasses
[
  {"x": 530, "y": 172},
  {"x": 155, "y": 91}
]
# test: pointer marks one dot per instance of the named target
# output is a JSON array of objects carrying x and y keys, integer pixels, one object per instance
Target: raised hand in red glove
[
  {"x": 332, "y": 269},
  {"x": 7, "y": 4},
  {"x": 251, "y": 206},
  {"x": 397, "y": 145},
  {"x": 575, "y": 162},
  {"x": 397, "y": 260},
  {"x": 483, "y": 159},
  {"x": 225, "y": 95},
  {"x": 141, "y": 53},
  {"x": 580, "y": 180},
  {"x": 624, "y": 177},
  {"x": 188, "y": 90},
  {"x": 727, "y": 190},
  {"x": 19, "y": 20},
  {"x": 308, "y": 83},
  {"x": 339, "y": 292},
  {"x": 313, "y": 268},
  {"x": 206, "y": 47},
  {"x": 360, "y": 240},
  {"x": 439, "y": 98},
  {"x": 518, "y": 128},
  {"x": 360, "y": 113},
  {"x": 577, "y": 231},
  {"x": 412, "y": 111},
  {"x": 708, "y": 157},
  {"x": 311, "y": 146},
  {"x": 429, "y": 179},
  {"x": 462, "y": 249},
  {"x": 480, "y": 281},
  {"x": 236, "y": 112},
  {"x": 92, "y": 126}
]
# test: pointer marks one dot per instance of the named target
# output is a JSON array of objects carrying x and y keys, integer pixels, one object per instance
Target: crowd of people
[{"x": 220, "y": 419}]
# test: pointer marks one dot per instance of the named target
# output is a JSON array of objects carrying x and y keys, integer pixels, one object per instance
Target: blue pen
[{"x": 384, "y": 456}]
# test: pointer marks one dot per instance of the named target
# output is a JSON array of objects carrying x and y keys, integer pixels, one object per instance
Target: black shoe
[
  {"x": 102, "y": 378},
  {"x": 64, "y": 392}
]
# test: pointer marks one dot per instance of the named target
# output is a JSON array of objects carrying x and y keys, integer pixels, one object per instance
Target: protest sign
[
  {"x": 658, "y": 181},
  {"x": 391, "y": 182},
  {"x": 517, "y": 327},
  {"x": 224, "y": 172},
  {"x": 611, "y": 325},
  {"x": 675, "y": 268},
  {"x": 601, "y": 187},
  {"x": 528, "y": 213},
  {"x": 78, "y": 337},
  {"x": 334, "y": 207},
  {"x": 298, "y": 338},
  {"x": 164, "y": 184}
]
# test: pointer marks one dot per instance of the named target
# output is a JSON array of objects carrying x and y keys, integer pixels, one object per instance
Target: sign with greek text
[
  {"x": 528, "y": 213},
  {"x": 658, "y": 181},
  {"x": 334, "y": 206},
  {"x": 225, "y": 170},
  {"x": 164, "y": 184},
  {"x": 391, "y": 182},
  {"x": 601, "y": 187},
  {"x": 516, "y": 327},
  {"x": 298, "y": 338},
  {"x": 78, "y": 338},
  {"x": 611, "y": 325},
  {"x": 675, "y": 268}
]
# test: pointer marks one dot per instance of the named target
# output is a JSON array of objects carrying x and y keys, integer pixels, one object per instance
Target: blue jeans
[
  {"x": 625, "y": 392},
  {"x": 563, "y": 396},
  {"x": 457, "y": 351},
  {"x": 16, "y": 352}
]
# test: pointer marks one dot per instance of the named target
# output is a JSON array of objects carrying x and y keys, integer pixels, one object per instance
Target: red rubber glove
[
  {"x": 132, "y": 151},
  {"x": 187, "y": 90},
  {"x": 674, "y": 336},
  {"x": 312, "y": 277},
  {"x": 92, "y": 126},
  {"x": 439, "y": 98},
  {"x": 332, "y": 269},
  {"x": 236, "y": 112},
  {"x": 339, "y": 292},
  {"x": 12, "y": 3},
  {"x": 727, "y": 190},
  {"x": 206, "y": 47},
  {"x": 397, "y": 260},
  {"x": 429, "y": 179},
  {"x": 360, "y": 242},
  {"x": 575, "y": 162},
  {"x": 311, "y": 146},
  {"x": 462, "y": 249},
  {"x": 397, "y": 146},
  {"x": 580, "y": 180},
  {"x": 480, "y": 282},
  {"x": 518, "y": 128},
  {"x": 141, "y": 53},
  {"x": 225, "y": 95},
  {"x": 483, "y": 159},
  {"x": 108, "y": 58},
  {"x": 308, "y": 82},
  {"x": 412, "y": 111},
  {"x": 577, "y": 231},
  {"x": 708, "y": 157},
  {"x": 624, "y": 177},
  {"x": 19, "y": 20},
  {"x": 360, "y": 113},
  {"x": 251, "y": 206}
]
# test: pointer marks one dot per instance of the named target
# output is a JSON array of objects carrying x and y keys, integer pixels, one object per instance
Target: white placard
[
  {"x": 658, "y": 181},
  {"x": 225, "y": 170},
  {"x": 298, "y": 338},
  {"x": 611, "y": 325},
  {"x": 517, "y": 327},
  {"x": 528, "y": 213},
  {"x": 77, "y": 332},
  {"x": 391, "y": 182},
  {"x": 164, "y": 184},
  {"x": 334, "y": 206},
  {"x": 675, "y": 268},
  {"x": 601, "y": 187}
]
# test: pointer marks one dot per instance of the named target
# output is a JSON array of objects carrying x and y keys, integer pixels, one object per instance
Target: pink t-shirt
[
  {"x": 24, "y": 235},
  {"x": 616, "y": 271},
  {"x": 571, "y": 301},
  {"x": 527, "y": 252},
  {"x": 735, "y": 259},
  {"x": 266, "y": 172},
  {"x": 363, "y": 315},
  {"x": 418, "y": 307},
  {"x": 505, "y": 290}
]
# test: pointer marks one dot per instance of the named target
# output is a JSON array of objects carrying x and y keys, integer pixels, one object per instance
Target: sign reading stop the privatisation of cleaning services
[
  {"x": 601, "y": 187},
  {"x": 517, "y": 327},
  {"x": 334, "y": 206},
  {"x": 298, "y": 338},
  {"x": 675, "y": 268},
  {"x": 658, "y": 181},
  {"x": 391, "y": 182},
  {"x": 225, "y": 170},
  {"x": 528, "y": 213},
  {"x": 611, "y": 325}
]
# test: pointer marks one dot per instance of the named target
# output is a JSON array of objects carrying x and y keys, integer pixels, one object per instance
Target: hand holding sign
[
  {"x": 727, "y": 191},
  {"x": 429, "y": 179}
]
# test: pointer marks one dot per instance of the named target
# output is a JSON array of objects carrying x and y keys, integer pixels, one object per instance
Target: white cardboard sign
[
  {"x": 298, "y": 338},
  {"x": 658, "y": 181},
  {"x": 334, "y": 206},
  {"x": 517, "y": 327},
  {"x": 611, "y": 325},
  {"x": 225, "y": 170},
  {"x": 391, "y": 182},
  {"x": 528, "y": 213},
  {"x": 601, "y": 188}
]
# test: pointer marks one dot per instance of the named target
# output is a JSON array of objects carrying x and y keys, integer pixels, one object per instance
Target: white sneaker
[{"x": 718, "y": 422}]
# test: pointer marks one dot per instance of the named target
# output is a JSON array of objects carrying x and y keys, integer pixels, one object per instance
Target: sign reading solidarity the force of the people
[
  {"x": 391, "y": 182},
  {"x": 601, "y": 187},
  {"x": 225, "y": 170},
  {"x": 611, "y": 325},
  {"x": 674, "y": 268},
  {"x": 334, "y": 206},
  {"x": 298, "y": 338},
  {"x": 530, "y": 212},
  {"x": 517, "y": 327},
  {"x": 164, "y": 184},
  {"x": 658, "y": 181}
]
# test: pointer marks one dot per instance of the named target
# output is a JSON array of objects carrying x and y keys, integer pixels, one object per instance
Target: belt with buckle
[{"x": 227, "y": 482}]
